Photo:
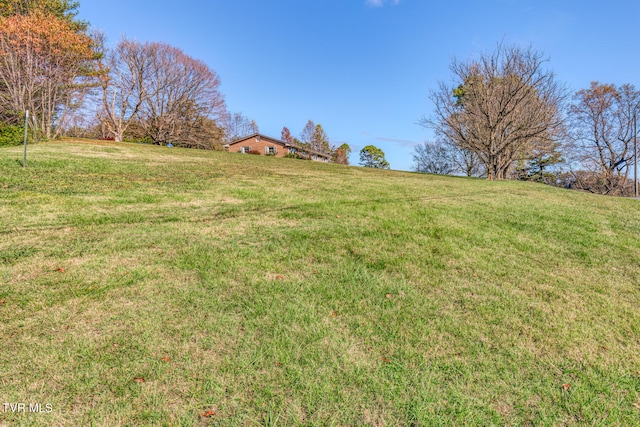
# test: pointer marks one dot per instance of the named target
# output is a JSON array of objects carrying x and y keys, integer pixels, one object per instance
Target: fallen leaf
[
  {"x": 337, "y": 216},
  {"x": 637, "y": 405},
  {"x": 1, "y": 302},
  {"x": 61, "y": 270},
  {"x": 388, "y": 296},
  {"x": 566, "y": 386},
  {"x": 386, "y": 360},
  {"x": 208, "y": 414},
  {"x": 475, "y": 274},
  {"x": 139, "y": 380},
  {"x": 278, "y": 363},
  {"x": 279, "y": 277},
  {"x": 165, "y": 359},
  {"x": 334, "y": 314}
]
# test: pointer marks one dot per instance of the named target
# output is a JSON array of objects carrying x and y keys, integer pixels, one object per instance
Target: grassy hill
[{"x": 144, "y": 285}]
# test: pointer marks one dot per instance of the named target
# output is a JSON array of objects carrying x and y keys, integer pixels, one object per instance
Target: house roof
[
  {"x": 278, "y": 141},
  {"x": 244, "y": 138}
]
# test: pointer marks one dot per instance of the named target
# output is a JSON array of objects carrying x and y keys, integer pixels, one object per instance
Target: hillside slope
[{"x": 144, "y": 285}]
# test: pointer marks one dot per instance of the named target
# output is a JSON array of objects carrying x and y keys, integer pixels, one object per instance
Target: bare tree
[
  {"x": 307, "y": 132},
  {"x": 182, "y": 102},
  {"x": 285, "y": 135},
  {"x": 433, "y": 157},
  {"x": 238, "y": 125},
  {"x": 124, "y": 71},
  {"x": 602, "y": 130},
  {"x": 467, "y": 162},
  {"x": 500, "y": 107},
  {"x": 320, "y": 140}
]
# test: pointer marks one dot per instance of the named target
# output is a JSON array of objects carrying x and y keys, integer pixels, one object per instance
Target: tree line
[
  {"x": 505, "y": 116},
  {"x": 313, "y": 138},
  {"x": 73, "y": 83}
]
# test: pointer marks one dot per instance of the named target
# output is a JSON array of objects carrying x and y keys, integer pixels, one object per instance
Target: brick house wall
[
  {"x": 260, "y": 143},
  {"x": 266, "y": 145}
]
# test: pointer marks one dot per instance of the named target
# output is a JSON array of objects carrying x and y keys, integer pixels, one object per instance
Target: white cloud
[{"x": 380, "y": 3}]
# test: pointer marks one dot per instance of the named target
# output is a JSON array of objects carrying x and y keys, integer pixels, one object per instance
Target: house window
[
  {"x": 245, "y": 150},
  {"x": 270, "y": 150}
]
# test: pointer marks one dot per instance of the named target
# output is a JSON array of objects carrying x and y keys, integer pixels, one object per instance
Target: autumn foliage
[
  {"x": 46, "y": 36},
  {"x": 44, "y": 62}
]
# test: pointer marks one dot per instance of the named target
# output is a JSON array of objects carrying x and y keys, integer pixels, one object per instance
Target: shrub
[
  {"x": 296, "y": 156},
  {"x": 11, "y": 135}
]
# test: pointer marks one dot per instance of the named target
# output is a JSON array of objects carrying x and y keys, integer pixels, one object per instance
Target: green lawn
[{"x": 143, "y": 285}]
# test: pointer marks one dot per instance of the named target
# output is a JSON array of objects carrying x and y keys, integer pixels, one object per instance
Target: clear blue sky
[{"x": 364, "y": 68}]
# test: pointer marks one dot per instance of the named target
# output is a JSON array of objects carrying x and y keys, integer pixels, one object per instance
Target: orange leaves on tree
[
  {"x": 45, "y": 36},
  {"x": 45, "y": 63}
]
